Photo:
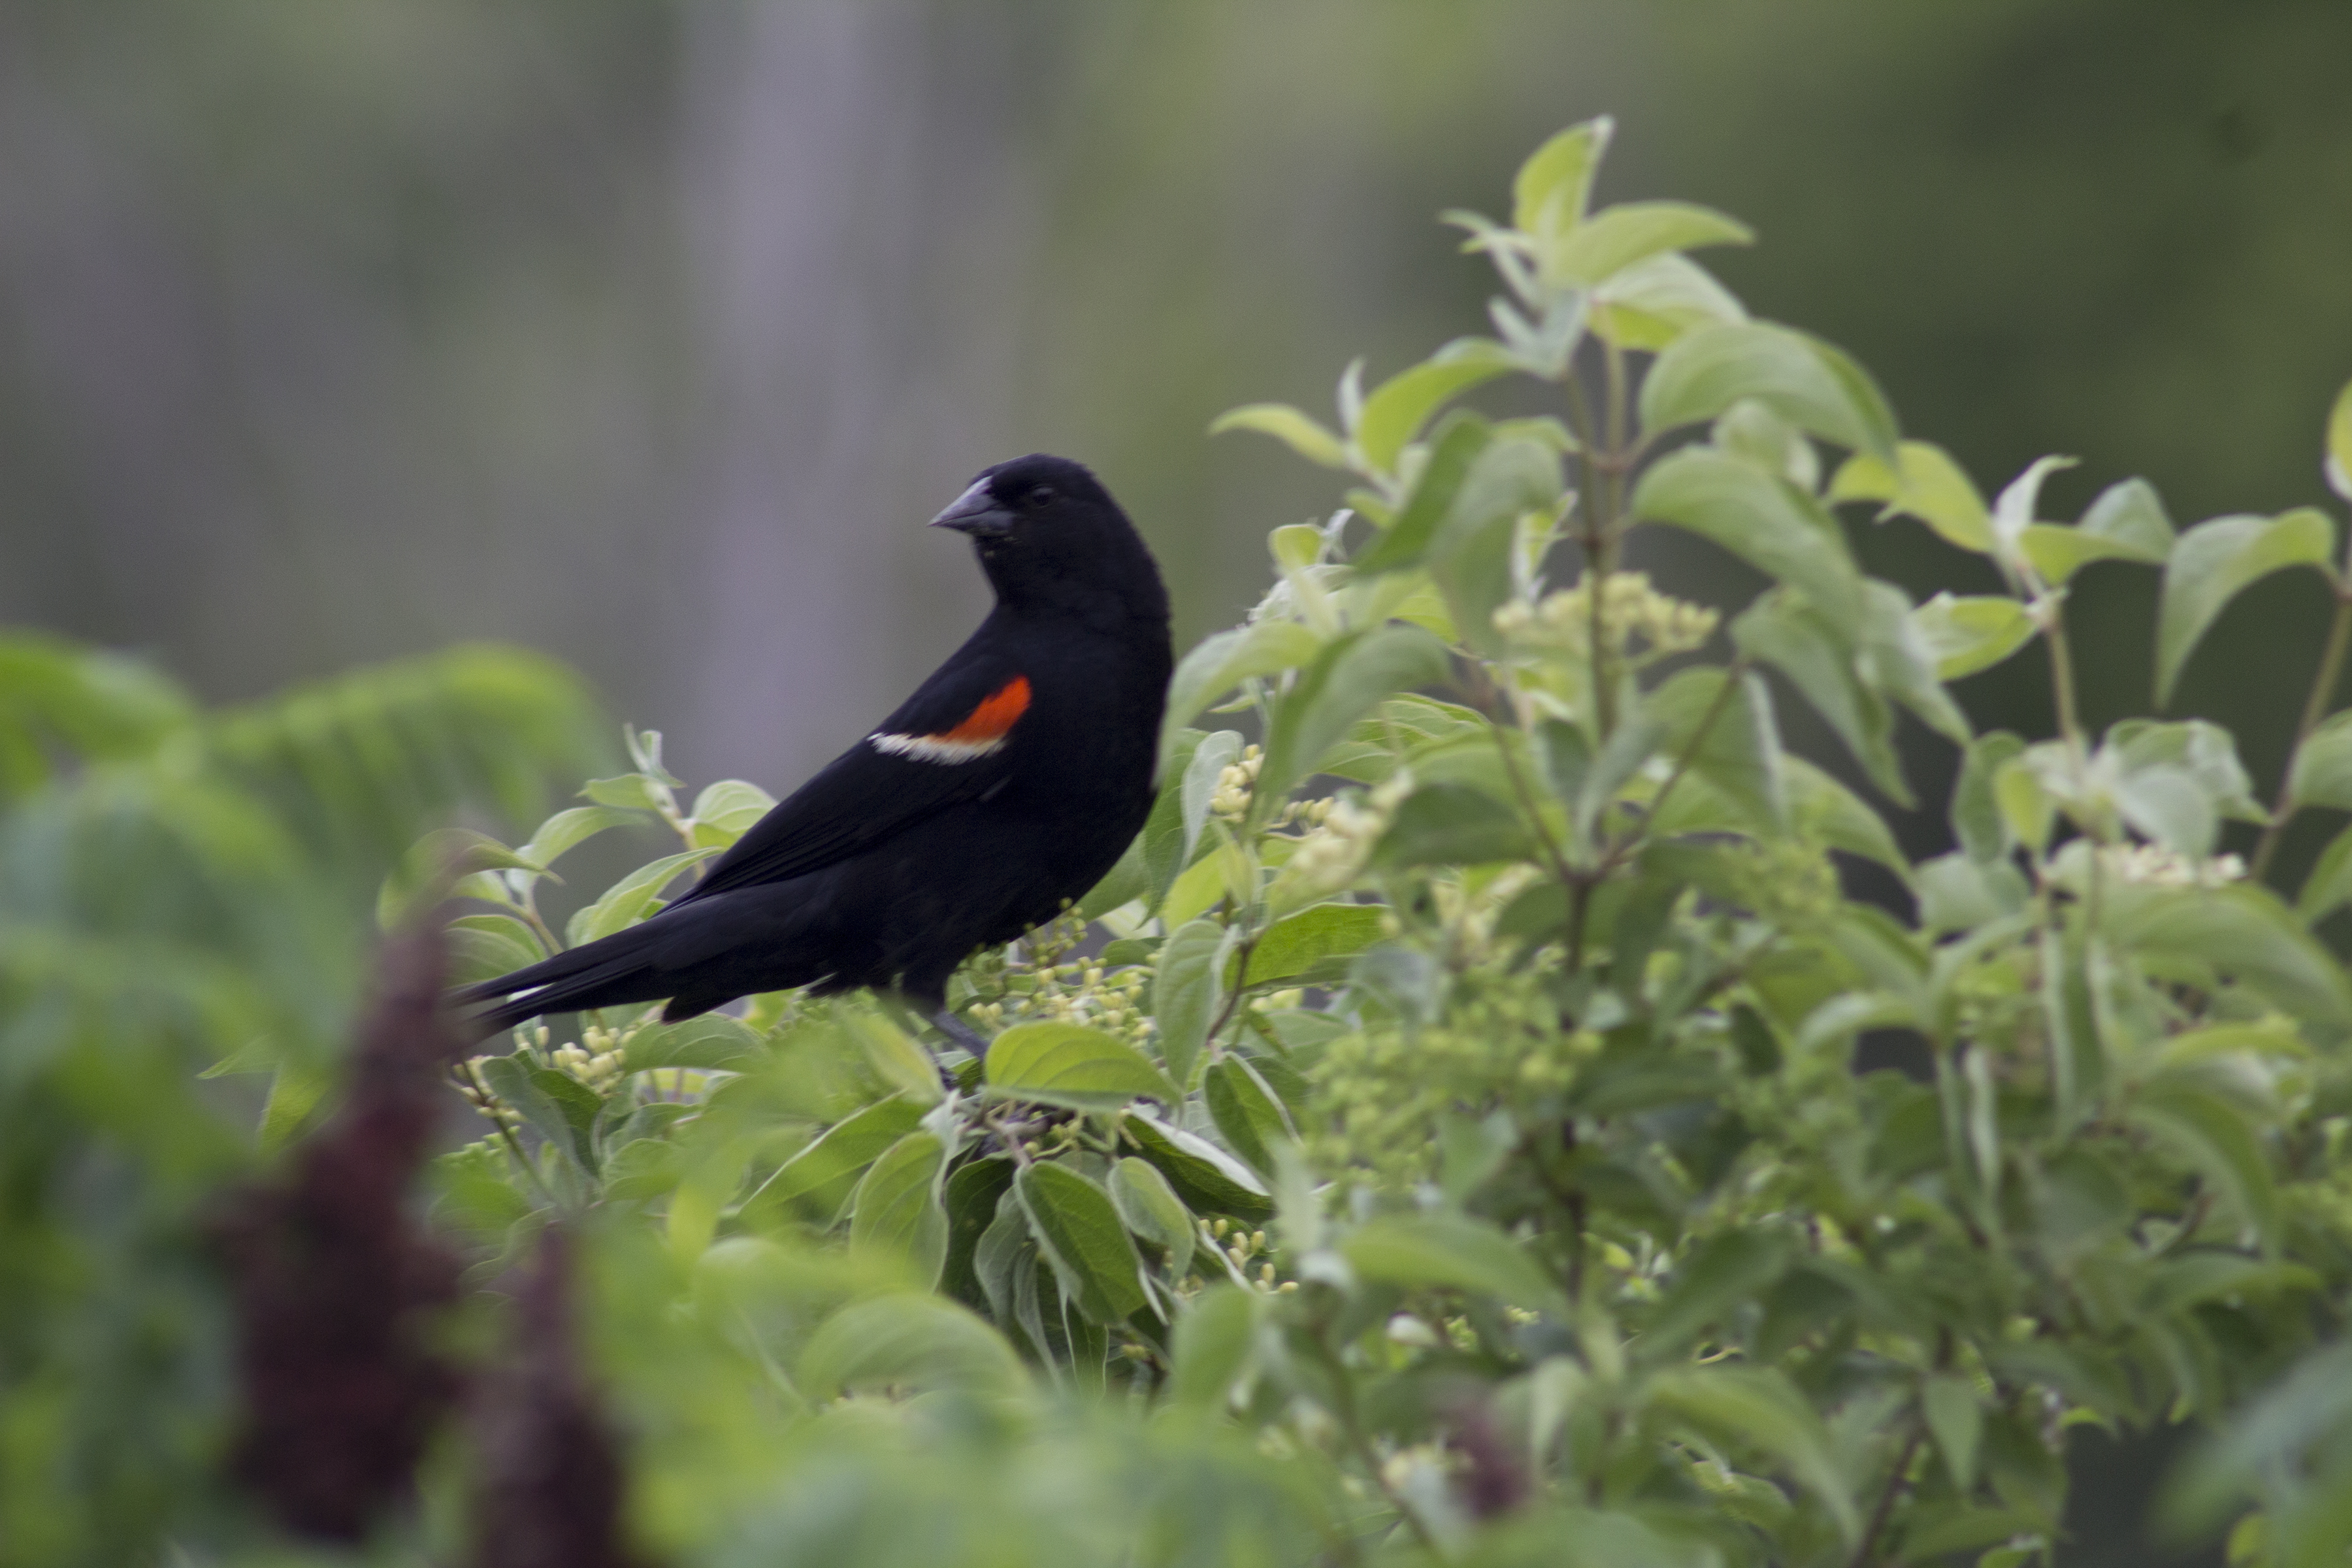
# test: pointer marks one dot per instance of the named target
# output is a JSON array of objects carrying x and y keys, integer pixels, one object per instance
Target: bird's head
[{"x": 1049, "y": 535}]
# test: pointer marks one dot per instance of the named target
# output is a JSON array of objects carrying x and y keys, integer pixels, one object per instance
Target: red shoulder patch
[{"x": 995, "y": 716}]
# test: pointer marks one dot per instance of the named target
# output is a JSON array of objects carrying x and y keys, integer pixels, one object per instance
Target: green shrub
[{"x": 1455, "y": 1153}]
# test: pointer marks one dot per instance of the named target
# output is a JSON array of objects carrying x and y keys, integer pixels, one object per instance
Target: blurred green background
[{"x": 649, "y": 334}]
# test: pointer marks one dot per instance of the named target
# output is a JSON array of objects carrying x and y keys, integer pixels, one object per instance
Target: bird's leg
[{"x": 961, "y": 1033}]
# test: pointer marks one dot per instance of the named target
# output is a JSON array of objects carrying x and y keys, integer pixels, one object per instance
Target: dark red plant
[
  {"x": 335, "y": 1286},
  {"x": 551, "y": 1478}
]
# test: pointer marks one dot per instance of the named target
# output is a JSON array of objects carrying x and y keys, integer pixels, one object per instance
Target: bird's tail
[{"x": 609, "y": 972}]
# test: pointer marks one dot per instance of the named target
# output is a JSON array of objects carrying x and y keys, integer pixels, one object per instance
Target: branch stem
[{"x": 2315, "y": 708}]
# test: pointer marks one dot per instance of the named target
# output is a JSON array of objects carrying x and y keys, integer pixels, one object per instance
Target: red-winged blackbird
[{"x": 1006, "y": 785}]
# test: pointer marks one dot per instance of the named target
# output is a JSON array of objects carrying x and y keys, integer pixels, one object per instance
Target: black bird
[{"x": 1008, "y": 784}]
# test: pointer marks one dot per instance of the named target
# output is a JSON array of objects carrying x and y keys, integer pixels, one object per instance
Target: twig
[
  {"x": 1895, "y": 1482},
  {"x": 2315, "y": 708}
]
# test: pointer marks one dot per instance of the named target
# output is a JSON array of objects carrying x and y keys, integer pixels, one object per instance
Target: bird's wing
[{"x": 946, "y": 745}]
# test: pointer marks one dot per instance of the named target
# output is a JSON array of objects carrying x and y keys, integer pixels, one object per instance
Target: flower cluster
[
  {"x": 2154, "y": 866},
  {"x": 1040, "y": 985},
  {"x": 1629, "y": 608},
  {"x": 595, "y": 1061},
  {"x": 1383, "y": 1092},
  {"x": 1240, "y": 1246},
  {"x": 1339, "y": 842},
  {"x": 1231, "y": 797}
]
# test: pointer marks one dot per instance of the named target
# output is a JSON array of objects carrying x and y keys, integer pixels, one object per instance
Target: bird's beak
[{"x": 976, "y": 513}]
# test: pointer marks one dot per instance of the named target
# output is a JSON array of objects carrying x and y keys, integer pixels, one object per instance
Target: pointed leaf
[
  {"x": 1150, "y": 1208},
  {"x": 2215, "y": 561},
  {"x": 1289, "y": 426},
  {"x": 1814, "y": 387},
  {"x": 1765, "y": 521},
  {"x": 1729, "y": 738},
  {"x": 1079, "y": 1230},
  {"x": 1618, "y": 237},
  {"x": 1209, "y": 1179},
  {"x": 907, "y": 1341},
  {"x": 1074, "y": 1065},
  {"x": 1549, "y": 193},
  {"x": 1814, "y": 652},
  {"x": 1921, "y": 482},
  {"x": 1449, "y": 1253},
  {"x": 631, "y": 899},
  {"x": 1187, "y": 992},
  {"x": 1965, "y": 636},
  {"x": 896, "y": 1209},
  {"x": 1396, "y": 410},
  {"x": 1341, "y": 687},
  {"x": 2322, "y": 774},
  {"x": 1224, "y": 661}
]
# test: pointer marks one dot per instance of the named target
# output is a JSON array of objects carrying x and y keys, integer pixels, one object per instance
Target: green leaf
[
  {"x": 1956, "y": 1417},
  {"x": 545, "y": 1101},
  {"x": 1452, "y": 825},
  {"x": 1729, "y": 738},
  {"x": 1150, "y": 1207},
  {"x": 295, "y": 1092},
  {"x": 629, "y": 792},
  {"x": 1187, "y": 992},
  {"x": 1073, "y": 1065},
  {"x": 726, "y": 810},
  {"x": 1289, "y": 426},
  {"x": 895, "y": 1057},
  {"x": 1208, "y": 763},
  {"x": 903, "y": 1341},
  {"x": 2127, "y": 522},
  {"x": 1958, "y": 893},
  {"x": 2322, "y": 774},
  {"x": 1721, "y": 1274},
  {"x": 896, "y": 1209},
  {"x": 1651, "y": 303},
  {"x": 1829, "y": 814},
  {"x": 1977, "y": 824},
  {"x": 1246, "y": 1113},
  {"x": 631, "y": 899},
  {"x": 1306, "y": 942},
  {"x": 1450, "y": 1253},
  {"x": 1759, "y": 1407},
  {"x": 1460, "y": 440},
  {"x": 2215, "y": 561},
  {"x": 1396, "y": 411},
  {"x": 1921, "y": 482},
  {"x": 1812, "y": 385},
  {"x": 1079, "y": 1231},
  {"x": 2244, "y": 933},
  {"x": 1765, "y": 521},
  {"x": 568, "y": 829},
  {"x": 1967, "y": 635},
  {"x": 2058, "y": 554},
  {"x": 2338, "y": 465},
  {"x": 1471, "y": 557},
  {"x": 1618, "y": 237},
  {"x": 1549, "y": 194},
  {"x": 1343, "y": 684},
  {"x": 1216, "y": 1343},
  {"x": 846, "y": 1148},
  {"x": 1818, "y": 657},
  {"x": 2211, "y": 1133},
  {"x": 483, "y": 947},
  {"x": 712, "y": 1040},
  {"x": 1224, "y": 661},
  {"x": 2329, "y": 886},
  {"x": 1208, "y": 1179}
]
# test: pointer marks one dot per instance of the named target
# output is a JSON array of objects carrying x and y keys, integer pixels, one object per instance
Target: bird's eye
[{"x": 1038, "y": 496}]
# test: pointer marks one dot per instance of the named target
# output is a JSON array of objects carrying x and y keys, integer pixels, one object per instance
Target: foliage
[{"x": 1449, "y": 1147}]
